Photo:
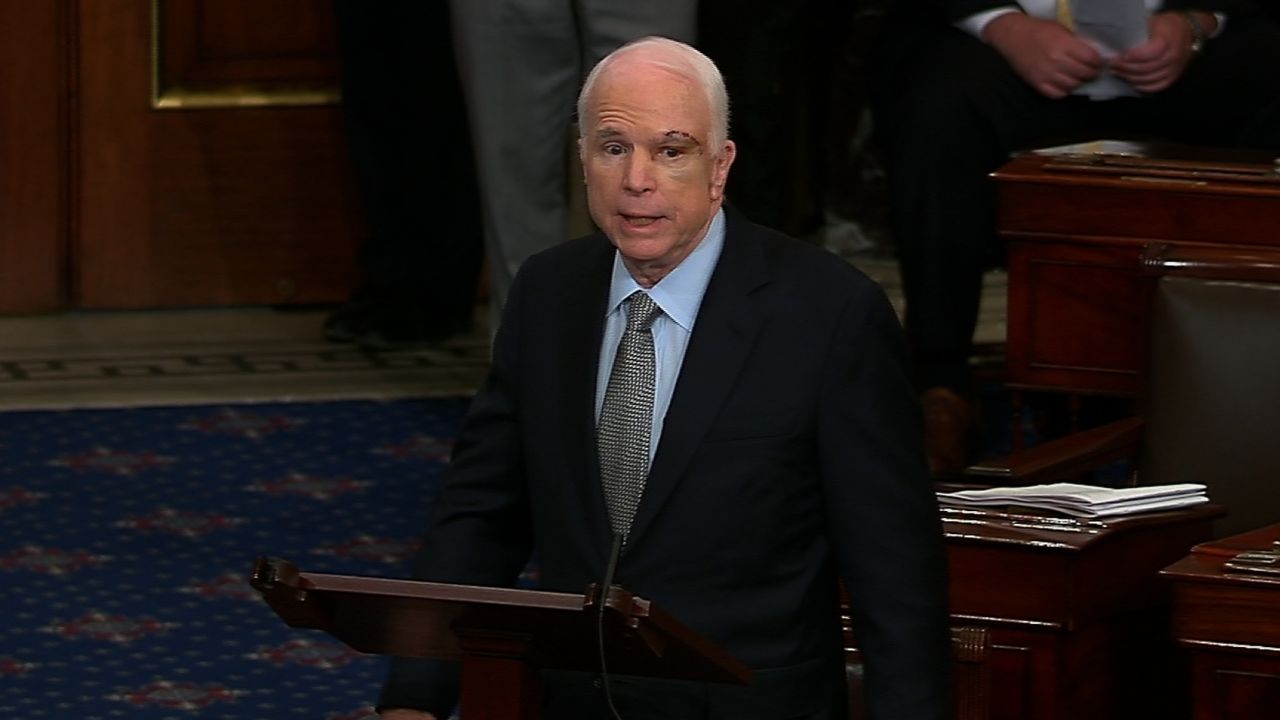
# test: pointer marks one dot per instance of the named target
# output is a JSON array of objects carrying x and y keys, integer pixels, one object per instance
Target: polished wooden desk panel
[
  {"x": 1229, "y": 622},
  {"x": 1075, "y": 612},
  {"x": 1077, "y": 220},
  {"x": 1077, "y": 615}
]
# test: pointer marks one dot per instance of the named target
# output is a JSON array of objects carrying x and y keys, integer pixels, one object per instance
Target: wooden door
[
  {"x": 33, "y": 157},
  {"x": 190, "y": 153},
  {"x": 211, "y": 165}
]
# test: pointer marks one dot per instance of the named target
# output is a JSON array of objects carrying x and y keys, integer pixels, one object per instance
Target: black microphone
[{"x": 615, "y": 550}]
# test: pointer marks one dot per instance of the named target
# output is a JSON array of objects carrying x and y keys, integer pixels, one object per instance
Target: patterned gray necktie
[{"x": 627, "y": 415}]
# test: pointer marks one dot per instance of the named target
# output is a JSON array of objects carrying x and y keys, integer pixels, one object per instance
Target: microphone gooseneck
[{"x": 615, "y": 550}]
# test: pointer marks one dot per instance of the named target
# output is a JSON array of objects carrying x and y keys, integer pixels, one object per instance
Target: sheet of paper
[
  {"x": 1082, "y": 500},
  {"x": 1112, "y": 26}
]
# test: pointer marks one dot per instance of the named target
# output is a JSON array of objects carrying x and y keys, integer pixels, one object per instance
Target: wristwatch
[{"x": 1198, "y": 35}]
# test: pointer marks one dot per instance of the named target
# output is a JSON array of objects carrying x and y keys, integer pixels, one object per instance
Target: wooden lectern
[
  {"x": 1227, "y": 616},
  {"x": 503, "y": 637}
]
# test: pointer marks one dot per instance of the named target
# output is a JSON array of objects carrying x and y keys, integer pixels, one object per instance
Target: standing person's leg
[
  {"x": 368, "y": 111},
  {"x": 520, "y": 72},
  {"x": 420, "y": 260},
  {"x": 608, "y": 24},
  {"x": 453, "y": 269},
  {"x": 949, "y": 110},
  {"x": 774, "y": 61}
]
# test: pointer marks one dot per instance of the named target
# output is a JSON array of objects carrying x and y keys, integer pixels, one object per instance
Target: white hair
[{"x": 680, "y": 58}]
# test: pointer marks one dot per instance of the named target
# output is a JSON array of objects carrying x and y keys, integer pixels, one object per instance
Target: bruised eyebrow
[{"x": 682, "y": 136}]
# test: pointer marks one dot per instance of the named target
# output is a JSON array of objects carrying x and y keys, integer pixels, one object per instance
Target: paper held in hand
[
  {"x": 1087, "y": 501},
  {"x": 1111, "y": 26}
]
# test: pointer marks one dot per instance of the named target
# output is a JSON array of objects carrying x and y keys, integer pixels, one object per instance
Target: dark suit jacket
[{"x": 791, "y": 452}]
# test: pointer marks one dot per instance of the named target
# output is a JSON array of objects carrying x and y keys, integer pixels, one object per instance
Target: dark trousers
[
  {"x": 777, "y": 60},
  {"x": 410, "y": 148},
  {"x": 949, "y": 110}
]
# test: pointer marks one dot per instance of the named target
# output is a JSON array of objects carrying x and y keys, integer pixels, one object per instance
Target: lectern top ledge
[{"x": 539, "y": 629}]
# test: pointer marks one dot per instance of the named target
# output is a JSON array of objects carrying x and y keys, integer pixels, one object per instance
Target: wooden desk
[
  {"x": 1229, "y": 623},
  {"x": 1077, "y": 219},
  {"x": 1077, "y": 617}
]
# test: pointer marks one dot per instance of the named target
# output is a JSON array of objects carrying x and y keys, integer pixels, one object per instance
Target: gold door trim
[{"x": 232, "y": 95}]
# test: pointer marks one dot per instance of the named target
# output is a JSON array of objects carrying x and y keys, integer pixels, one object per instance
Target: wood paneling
[
  {"x": 1077, "y": 226},
  {"x": 209, "y": 206},
  {"x": 1076, "y": 616},
  {"x": 107, "y": 202},
  {"x": 1227, "y": 618},
  {"x": 33, "y": 131},
  {"x": 244, "y": 52}
]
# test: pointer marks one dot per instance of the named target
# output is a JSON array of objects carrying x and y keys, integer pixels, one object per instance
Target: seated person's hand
[
  {"x": 1159, "y": 62},
  {"x": 1049, "y": 57},
  {"x": 405, "y": 714}
]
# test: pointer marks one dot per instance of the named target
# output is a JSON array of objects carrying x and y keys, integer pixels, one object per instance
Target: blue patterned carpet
[{"x": 126, "y": 536}]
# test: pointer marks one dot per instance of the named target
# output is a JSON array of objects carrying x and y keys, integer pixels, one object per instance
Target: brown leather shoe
[{"x": 950, "y": 422}]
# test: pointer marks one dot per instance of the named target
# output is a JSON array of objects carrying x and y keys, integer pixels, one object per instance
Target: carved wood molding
[{"x": 206, "y": 54}]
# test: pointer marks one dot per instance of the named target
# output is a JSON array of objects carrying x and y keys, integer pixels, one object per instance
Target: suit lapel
[
  {"x": 582, "y": 312},
  {"x": 723, "y": 336}
]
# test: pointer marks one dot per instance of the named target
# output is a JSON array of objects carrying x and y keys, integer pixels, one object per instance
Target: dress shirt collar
[{"x": 679, "y": 294}]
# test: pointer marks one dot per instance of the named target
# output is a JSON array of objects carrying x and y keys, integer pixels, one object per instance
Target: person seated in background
[
  {"x": 961, "y": 85},
  {"x": 727, "y": 406}
]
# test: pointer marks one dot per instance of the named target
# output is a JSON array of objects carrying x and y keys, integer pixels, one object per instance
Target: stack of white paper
[{"x": 1082, "y": 500}]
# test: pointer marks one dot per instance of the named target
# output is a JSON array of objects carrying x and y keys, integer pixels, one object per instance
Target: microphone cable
[{"x": 615, "y": 550}]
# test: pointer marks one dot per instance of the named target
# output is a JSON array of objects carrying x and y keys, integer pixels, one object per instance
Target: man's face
[{"x": 653, "y": 182}]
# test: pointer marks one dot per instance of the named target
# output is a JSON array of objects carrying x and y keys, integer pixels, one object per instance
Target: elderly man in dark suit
[
  {"x": 963, "y": 84},
  {"x": 782, "y": 451}
]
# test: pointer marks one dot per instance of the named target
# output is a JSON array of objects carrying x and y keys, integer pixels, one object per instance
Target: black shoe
[
  {"x": 401, "y": 330},
  {"x": 950, "y": 431},
  {"x": 347, "y": 322}
]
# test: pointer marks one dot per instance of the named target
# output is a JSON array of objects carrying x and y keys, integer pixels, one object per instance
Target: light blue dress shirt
[{"x": 679, "y": 294}]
